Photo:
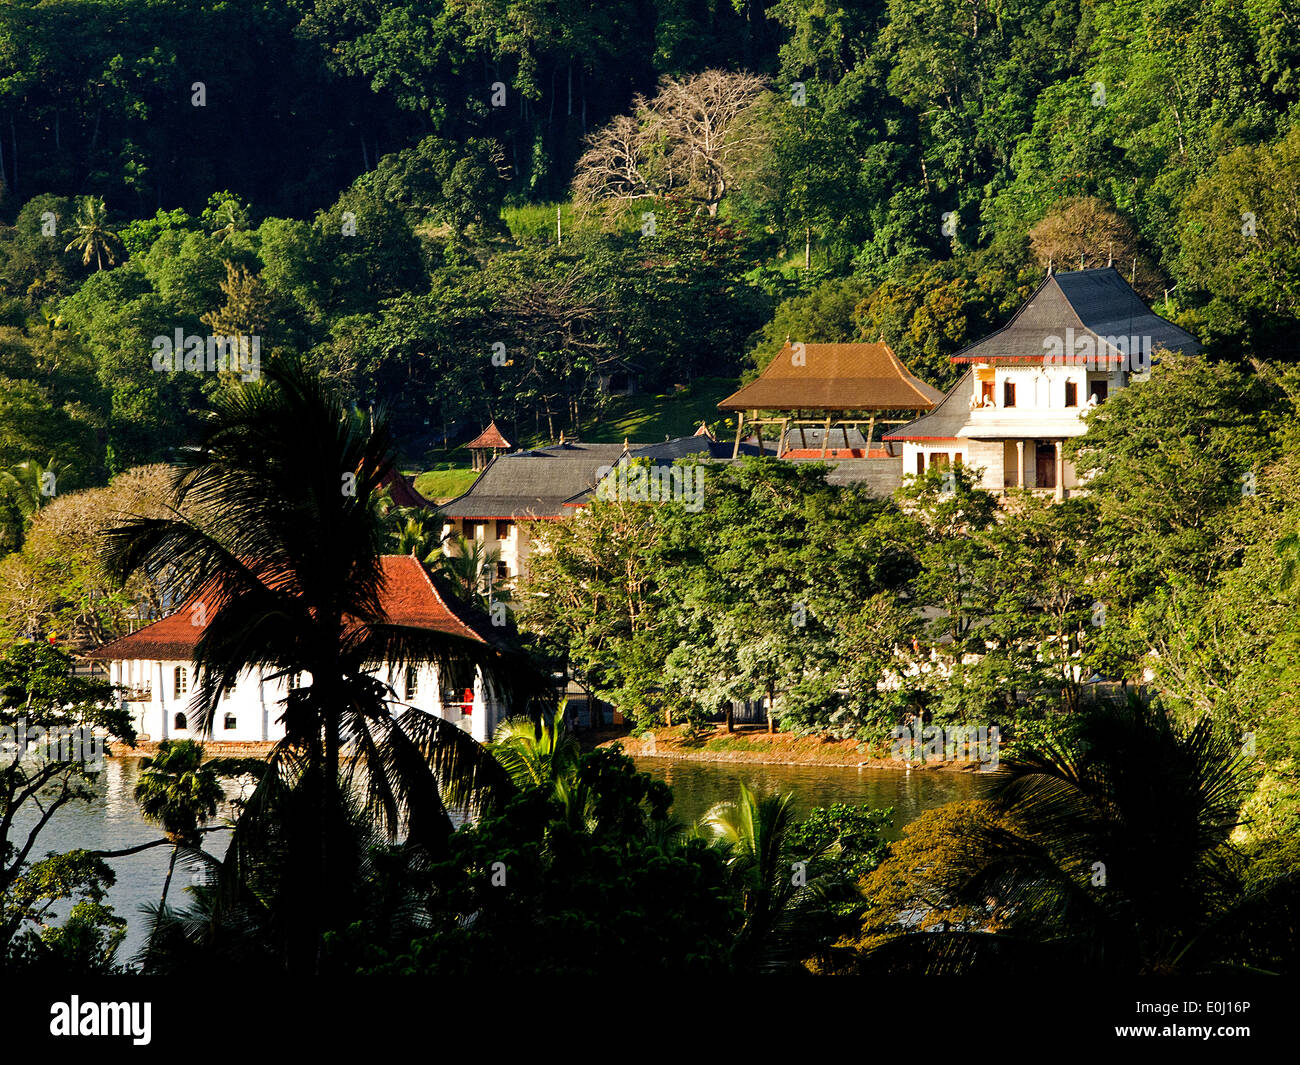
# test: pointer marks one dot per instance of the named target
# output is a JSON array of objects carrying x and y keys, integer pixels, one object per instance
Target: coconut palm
[
  {"x": 93, "y": 237},
  {"x": 275, "y": 532},
  {"x": 1118, "y": 859},
  {"x": 776, "y": 892}
]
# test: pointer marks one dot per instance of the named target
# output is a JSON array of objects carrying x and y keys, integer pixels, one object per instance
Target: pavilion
[{"x": 829, "y": 388}]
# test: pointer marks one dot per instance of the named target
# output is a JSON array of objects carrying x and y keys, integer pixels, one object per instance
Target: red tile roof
[
  {"x": 490, "y": 437},
  {"x": 411, "y": 597}
]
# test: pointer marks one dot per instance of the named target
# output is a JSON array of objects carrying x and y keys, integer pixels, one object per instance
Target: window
[
  {"x": 986, "y": 394},
  {"x": 180, "y": 681},
  {"x": 503, "y": 571},
  {"x": 956, "y": 458},
  {"x": 1008, "y": 393},
  {"x": 479, "y": 529},
  {"x": 294, "y": 681},
  {"x": 938, "y": 458},
  {"x": 180, "y": 722},
  {"x": 1071, "y": 394},
  {"x": 920, "y": 463},
  {"x": 505, "y": 529},
  {"x": 412, "y": 683},
  {"x": 1099, "y": 390},
  {"x": 230, "y": 722}
]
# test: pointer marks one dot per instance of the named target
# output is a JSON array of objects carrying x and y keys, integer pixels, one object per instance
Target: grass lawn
[
  {"x": 647, "y": 418},
  {"x": 443, "y": 484}
]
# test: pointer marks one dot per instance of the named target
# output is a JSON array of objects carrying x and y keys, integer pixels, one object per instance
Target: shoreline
[{"x": 754, "y": 745}]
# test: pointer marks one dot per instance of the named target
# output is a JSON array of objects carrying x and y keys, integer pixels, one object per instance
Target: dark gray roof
[
  {"x": 1099, "y": 302},
  {"x": 943, "y": 422},
  {"x": 681, "y": 447},
  {"x": 533, "y": 484}
]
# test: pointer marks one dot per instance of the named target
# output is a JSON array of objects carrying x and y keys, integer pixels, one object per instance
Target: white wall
[{"x": 257, "y": 704}]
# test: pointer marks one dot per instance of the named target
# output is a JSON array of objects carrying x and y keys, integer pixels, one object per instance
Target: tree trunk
[{"x": 731, "y": 719}]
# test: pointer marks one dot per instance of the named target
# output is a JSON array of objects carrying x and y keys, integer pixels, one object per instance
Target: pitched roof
[
  {"x": 533, "y": 484},
  {"x": 411, "y": 596},
  {"x": 403, "y": 492},
  {"x": 942, "y": 423},
  {"x": 835, "y": 377},
  {"x": 490, "y": 437},
  {"x": 1097, "y": 303}
]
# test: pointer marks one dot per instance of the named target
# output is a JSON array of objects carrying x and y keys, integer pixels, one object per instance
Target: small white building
[
  {"x": 1078, "y": 339},
  {"x": 155, "y": 669}
]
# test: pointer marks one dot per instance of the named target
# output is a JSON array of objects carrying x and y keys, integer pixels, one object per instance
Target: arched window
[{"x": 181, "y": 721}]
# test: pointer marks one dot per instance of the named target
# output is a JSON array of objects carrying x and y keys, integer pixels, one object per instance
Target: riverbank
[
  {"x": 753, "y": 744},
  {"x": 211, "y": 749}
]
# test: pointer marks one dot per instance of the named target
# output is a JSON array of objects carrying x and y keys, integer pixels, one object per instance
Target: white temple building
[
  {"x": 155, "y": 669},
  {"x": 1077, "y": 340}
]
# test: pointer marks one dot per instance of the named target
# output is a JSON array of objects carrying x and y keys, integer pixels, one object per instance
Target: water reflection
[
  {"x": 698, "y": 785},
  {"x": 113, "y": 822}
]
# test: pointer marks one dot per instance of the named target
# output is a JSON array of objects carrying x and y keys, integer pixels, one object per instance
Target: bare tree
[
  {"x": 613, "y": 166},
  {"x": 691, "y": 138}
]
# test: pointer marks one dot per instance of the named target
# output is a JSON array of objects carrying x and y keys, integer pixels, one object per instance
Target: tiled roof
[
  {"x": 1097, "y": 303},
  {"x": 490, "y": 437},
  {"x": 411, "y": 596},
  {"x": 942, "y": 423},
  {"x": 835, "y": 377},
  {"x": 533, "y": 484}
]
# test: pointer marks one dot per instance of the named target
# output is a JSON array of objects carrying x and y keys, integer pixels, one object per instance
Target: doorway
[{"x": 1045, "y": 466}]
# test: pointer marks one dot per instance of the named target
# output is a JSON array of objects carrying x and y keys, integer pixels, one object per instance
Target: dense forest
[
  {"x": 472, "y": 209},
  {"x": 428, "y": 214}
]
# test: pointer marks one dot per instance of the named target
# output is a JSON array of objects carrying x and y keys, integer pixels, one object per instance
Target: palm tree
[
  {"x": 540, "y": 755},
  {"x": 177, "y": 791},
  {"x": 776, "y": 894},
  {"x": 276, "y": 533},
  {"x": 470, "y": 567},
  {"x": 1118, "y": 859},
  {"x": 93, "y": 237},
  {"x": 414, "y": 537},
  {"x": 31, "y": 485}
]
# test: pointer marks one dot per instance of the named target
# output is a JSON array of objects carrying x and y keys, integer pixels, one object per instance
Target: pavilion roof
[
  {"x": 858, "y": 377},
  {"x": 490, "y": 437}
]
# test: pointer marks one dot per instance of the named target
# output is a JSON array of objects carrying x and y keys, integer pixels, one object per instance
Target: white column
[
  {"x": 1060, "y": 471},
  {"x": 1020, "y": 464},
  {"x": 481, "y": 725},
  {"x": 160, "y": 705}
]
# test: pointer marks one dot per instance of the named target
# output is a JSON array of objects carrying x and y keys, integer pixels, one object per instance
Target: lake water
[
  {"x": 698, "y": 785},
  {"x": 112, "y": 821}
]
